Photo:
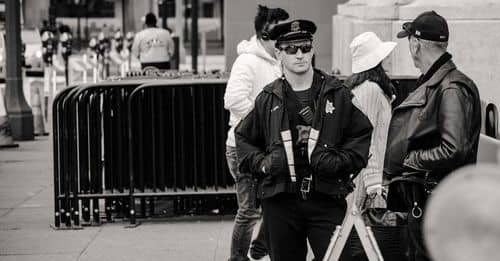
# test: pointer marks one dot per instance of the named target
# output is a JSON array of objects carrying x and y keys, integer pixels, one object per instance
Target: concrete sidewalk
[{"x": 26, "y": 207}]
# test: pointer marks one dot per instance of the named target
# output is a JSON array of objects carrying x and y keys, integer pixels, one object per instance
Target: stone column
[
  {"x": 18, "y": 111},
  {"x": 473, "y": 26}
]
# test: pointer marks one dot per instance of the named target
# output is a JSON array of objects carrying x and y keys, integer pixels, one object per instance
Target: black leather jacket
[
  {"x": 435, "y": 130},
  {"x": 341, "y": 148}
]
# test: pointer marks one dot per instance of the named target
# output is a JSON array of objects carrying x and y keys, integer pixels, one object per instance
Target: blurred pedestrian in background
[
  {"x": 255, "y": 67},
  {"x": 153, "y": 46}
]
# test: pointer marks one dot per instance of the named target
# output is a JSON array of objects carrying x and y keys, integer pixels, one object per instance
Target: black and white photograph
[{"x": 249, "y": 130}]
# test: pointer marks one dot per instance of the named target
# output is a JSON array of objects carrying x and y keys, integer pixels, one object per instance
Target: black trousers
[
  {"x": 407, "y": 193},
  {"x": 291, "y": 221},
  {"x": 159, "y": 65}
]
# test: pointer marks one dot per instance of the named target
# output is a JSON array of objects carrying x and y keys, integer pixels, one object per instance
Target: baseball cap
[{"x": 428, "y": 26}]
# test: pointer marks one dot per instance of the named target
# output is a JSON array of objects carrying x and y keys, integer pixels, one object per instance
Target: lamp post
[
  {"x": 18, "y": 110},
  {"x": 194, "y": 35}
]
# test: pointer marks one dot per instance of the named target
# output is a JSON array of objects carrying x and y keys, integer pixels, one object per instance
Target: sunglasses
[{"x": 293, "y": 49}]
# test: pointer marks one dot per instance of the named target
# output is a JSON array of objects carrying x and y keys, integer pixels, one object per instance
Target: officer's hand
[{"x": 265, "y": 165}]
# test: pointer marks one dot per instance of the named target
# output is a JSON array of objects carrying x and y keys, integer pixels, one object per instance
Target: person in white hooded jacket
[{"x": 255, "y": 67}]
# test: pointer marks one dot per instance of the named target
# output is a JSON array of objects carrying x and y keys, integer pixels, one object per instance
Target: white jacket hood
[
  {"x": 253, "y": 69},
  {"x": 253, "y": 46}
]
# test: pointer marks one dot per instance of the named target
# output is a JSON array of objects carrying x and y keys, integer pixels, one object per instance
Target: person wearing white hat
[{"x": 374, "y": 91}]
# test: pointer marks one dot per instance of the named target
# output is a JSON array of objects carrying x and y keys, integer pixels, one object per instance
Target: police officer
[{"x": 305, "y": 139}]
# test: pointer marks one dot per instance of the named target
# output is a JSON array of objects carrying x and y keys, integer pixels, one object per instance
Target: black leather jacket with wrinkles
[
  {"x": 341, "y": 148},
  {"x": 435, "y": 130}
]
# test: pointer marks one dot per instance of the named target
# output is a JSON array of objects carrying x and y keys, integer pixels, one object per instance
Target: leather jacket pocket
[{"x": 319, "y": 159}]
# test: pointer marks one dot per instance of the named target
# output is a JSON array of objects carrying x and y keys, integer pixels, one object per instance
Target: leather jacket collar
[{"x": 419, "y": 96}]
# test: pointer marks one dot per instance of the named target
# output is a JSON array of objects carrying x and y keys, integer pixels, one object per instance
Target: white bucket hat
[{"x": 368, "y": 50}]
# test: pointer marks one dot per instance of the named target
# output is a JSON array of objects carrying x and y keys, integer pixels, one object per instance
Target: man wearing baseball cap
[
  {"x": 304, "y": 140},
  {"x": 435, "y": 130}
]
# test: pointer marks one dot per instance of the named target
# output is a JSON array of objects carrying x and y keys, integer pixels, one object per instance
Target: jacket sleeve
[
  {"x": 455, "y": 110},
  {"x": 352, "y": 154},
  {"x": 250, "y": 143},
  {"x": 239, "y": 87}
]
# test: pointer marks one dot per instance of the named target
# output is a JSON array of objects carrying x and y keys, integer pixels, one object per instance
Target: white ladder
[{"x": 341, "y": 234}]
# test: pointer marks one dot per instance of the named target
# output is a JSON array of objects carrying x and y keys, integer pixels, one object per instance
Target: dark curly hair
[
  {"x": 376, "y": 75},
  {"x": 266, "y": 16}
]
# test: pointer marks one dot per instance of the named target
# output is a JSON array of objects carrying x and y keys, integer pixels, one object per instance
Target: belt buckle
[{"x": 305, "y": 187}]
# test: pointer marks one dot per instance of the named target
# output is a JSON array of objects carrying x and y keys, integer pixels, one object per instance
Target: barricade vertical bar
[
  {"x": 174, "y": 140},
  {"x": 153, "y": 116},
  {"x": 221, "y": 133},
  {"x": 71, "y": 167},
  {"x": 95, "y": 154},
  {"x": 146, "y": 173},
  {"x": 208, "y": 137},
  {"x": 69, "y": 115},
  {"x": 74, "y": 168},
  {"x": 214, "y": 138},
  {"x": 195, "y": 137},
  {"x": 109, "y": 131},
  {"x": 180, "y": 149},
  {"x": 56, "y": 144},
  {"x": 140, "y": 138},
  {"x": 121, "y": 137},
  {"x": 203, "y": 136},
  {"x": 83, "y": 153},
  {"x": 130, "y": 127},
  {"x": 75, "y": 209},
  {"x": 100, "y": 136},
  {"x": 188, "y": 137},
  {"x": 63, "y": 163},
  {"x": 161, "y": 138}
]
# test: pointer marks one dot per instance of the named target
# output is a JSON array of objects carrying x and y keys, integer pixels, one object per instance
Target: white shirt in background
[{"x": 153, "y": 45}]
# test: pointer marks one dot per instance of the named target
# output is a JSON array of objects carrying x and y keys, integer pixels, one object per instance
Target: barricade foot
[
  {"x": 137, "y": 223},
  {"x": 91, "y": 224},
  {"x": 13, "y": 145},
  {"x": 66, "y": 228}
]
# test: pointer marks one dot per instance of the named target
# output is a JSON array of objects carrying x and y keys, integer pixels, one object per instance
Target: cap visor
[{"x": 403, "y": 34}]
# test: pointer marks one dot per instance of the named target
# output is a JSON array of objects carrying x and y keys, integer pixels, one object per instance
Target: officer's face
[{"x": 296, "y": 56}]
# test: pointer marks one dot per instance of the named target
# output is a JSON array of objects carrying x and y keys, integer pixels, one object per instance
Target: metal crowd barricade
[
  {"x": 177, "y": 131},
  {"x": 140, "y": 138},
  {"x": 89, "y": 144}
]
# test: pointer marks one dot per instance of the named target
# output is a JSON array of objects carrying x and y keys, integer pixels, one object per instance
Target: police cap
[{"x": 293, "y": 31}]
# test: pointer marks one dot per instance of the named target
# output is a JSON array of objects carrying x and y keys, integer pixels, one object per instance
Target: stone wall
[{"x": 474, "y": 35}]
